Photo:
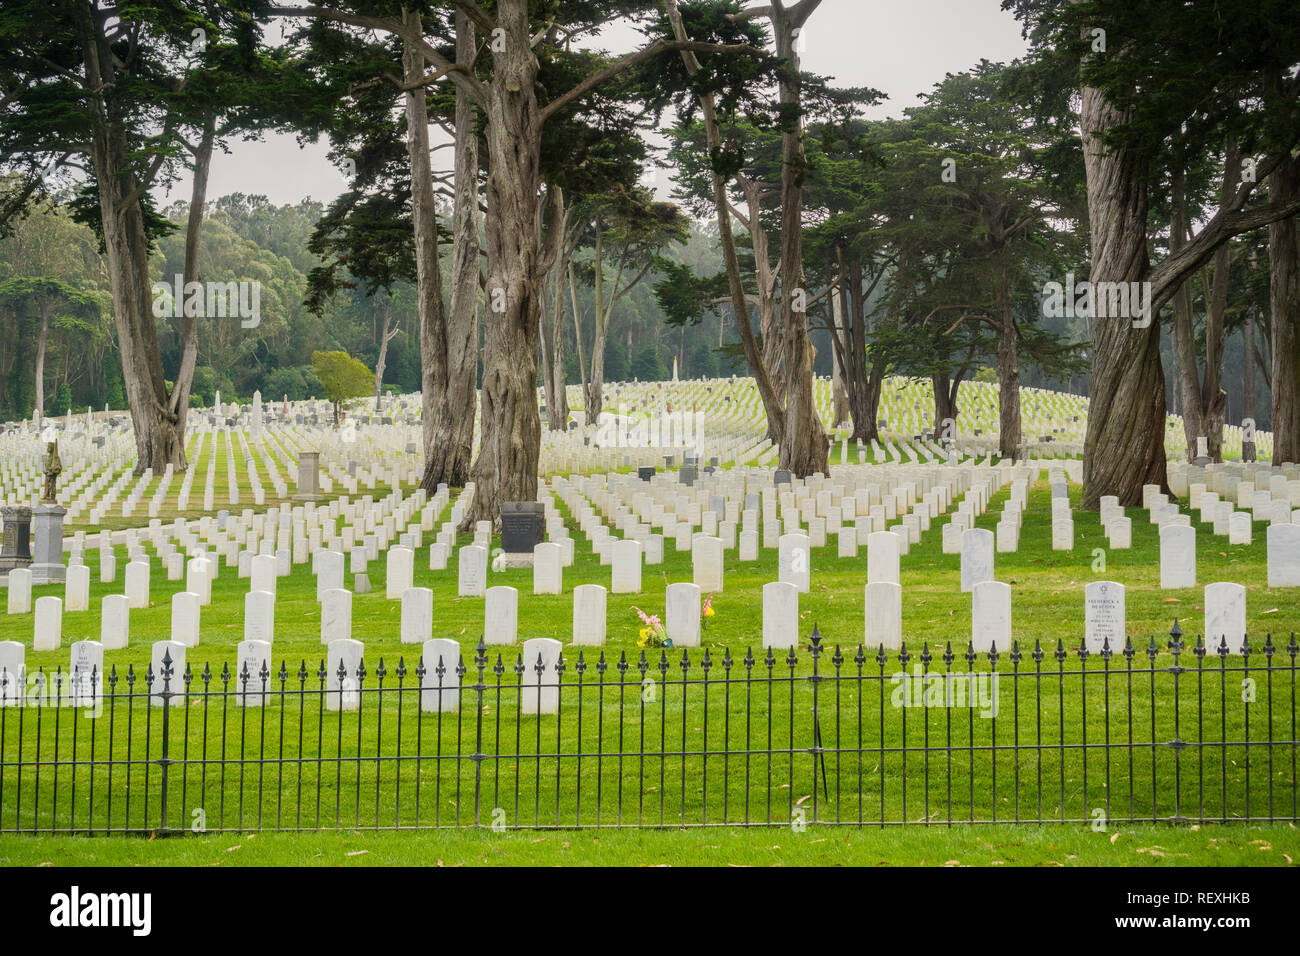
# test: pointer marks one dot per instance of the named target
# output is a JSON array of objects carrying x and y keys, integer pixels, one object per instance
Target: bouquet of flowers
[
  {"x": 707, "y": 612},
  {"x": 652, "y": 633}
]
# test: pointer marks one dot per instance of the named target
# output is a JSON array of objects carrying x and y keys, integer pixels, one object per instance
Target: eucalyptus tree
[{"x": 1142, "y": 76}]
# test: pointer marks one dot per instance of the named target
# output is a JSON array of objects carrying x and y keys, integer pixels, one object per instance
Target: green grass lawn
[
  {"x": 815, "y": 846},
  {"x": 360, "y": 771}
]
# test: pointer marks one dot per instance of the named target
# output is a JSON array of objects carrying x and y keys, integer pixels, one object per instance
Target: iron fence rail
[{"x": 813, "y": 735}]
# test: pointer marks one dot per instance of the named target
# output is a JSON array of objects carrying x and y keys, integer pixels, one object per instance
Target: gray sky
[{"x": 902, "y": 47}]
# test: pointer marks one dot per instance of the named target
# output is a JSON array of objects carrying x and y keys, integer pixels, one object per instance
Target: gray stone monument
[
  {"x": 47, "y": 557},
  {"x": 308, "y": 476}
]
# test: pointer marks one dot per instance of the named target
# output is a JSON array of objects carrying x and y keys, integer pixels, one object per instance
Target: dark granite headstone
[
  {"x": 16, "y": 543},
  {"x": 688, "y": 474},
  {"x": 782, "y": 477},
  {"x": 522, "y": 526},
  {"x": 645, "y": 472},
  {"x": 1248, "y": 451}
]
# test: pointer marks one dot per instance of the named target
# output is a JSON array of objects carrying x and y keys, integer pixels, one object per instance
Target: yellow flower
[
  {"x": 708, "y": 612},
  {"x": 645, "y": 634}
]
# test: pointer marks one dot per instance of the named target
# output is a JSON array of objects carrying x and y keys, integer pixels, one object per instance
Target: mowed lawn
[{"x": 916, "y": 785}]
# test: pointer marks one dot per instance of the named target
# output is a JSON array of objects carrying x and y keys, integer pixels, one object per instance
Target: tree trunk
[
  {"x": 945, "y": 399},
  {"x": 771, "y": 398},
  {"x": 447, "y": 339},
  {"x": 861, "y": 381},
  {"x": 577, "y": 334},
  {"x": 506, "y": 467},
  {"x": 38, "y": 373},
  {"x": 552, "y": 324},
  {"x": 381, "y": 363},
  {"x": 1284, "y": 297},
  {"x": 805, "y": 446},
  {"x": 1124, "y": 444},
  {"x": 158, "y": 439},
  {"x": 839, "y": 396},
  {"x": 557, "y": 400},
  {"x": 1248, "y": 368},
  {"x": 1010, "y": 437},
  {"x": 595, "y": 402},
  {"x": 180, "y": 397}
]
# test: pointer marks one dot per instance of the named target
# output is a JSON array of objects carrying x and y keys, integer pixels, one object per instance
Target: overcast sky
[{"x": 902, "y": 47}]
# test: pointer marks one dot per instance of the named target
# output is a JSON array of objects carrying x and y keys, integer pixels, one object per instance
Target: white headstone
[
  {"x": 20, "y": 590},
  {"x": 343, "y": 660},
  {"x": 440, "y": 686},
  {"x": 548, "y": 569},
  {"x": 1283, "y": 556},
  {"x": 589, "y": 614},
  {"x": 335, "y": 615},
  {"x": 780, "y": 614},
  {"x": 417, "y": 615},
  {"x": 76, "y": 590},
  {"x": 883, "y": 615},
  {"x": 259, "y": 616},
  {"x": 47, "y": 625},
  {"x": 1104, "y": 622},
  {"x": 400, "y": 573},
  {"x": 262, "y": 574},
  {"x": 682, "y": 614},
  {"x": 540, "y": 693},
  {"x": 883, "y": 557},
  {"x": 500, "y": 615},
  {"x": 86, "y": 673},
  {"x": 255, "y": 681},
  {"x": 794, "y": 561},
  {"x": 977, "y": 546},
  {"x": 991, "y": 616},
  {"x": 114, "y": 622},
  {"x": 625, "y": 575},
  {"x": 1177, "y": 557},
  {"x": 1225, "y": 616},
  {"x": 706, "y": 562},
  {"x": 472, "y": 571},
  {"x": 13, "y": 673}
]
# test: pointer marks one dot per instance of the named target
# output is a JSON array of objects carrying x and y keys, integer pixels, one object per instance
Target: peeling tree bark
[
  {"x": 805, "y": 446},
  {"x": 158, "y": 439},
  {"x": 506, "y": 466},
  {"x": 448, "y": 338},
  {"x": 1124, "y": 444},
  {"x": 1010, "y": 437}
]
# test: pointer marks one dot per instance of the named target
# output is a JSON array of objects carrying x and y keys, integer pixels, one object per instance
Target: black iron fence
[{"x": 814, "y": 735}]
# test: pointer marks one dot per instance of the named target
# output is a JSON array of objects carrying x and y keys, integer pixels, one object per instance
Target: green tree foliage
[{"x": 342, "y": 377}]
